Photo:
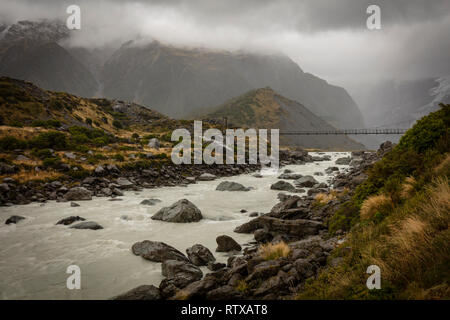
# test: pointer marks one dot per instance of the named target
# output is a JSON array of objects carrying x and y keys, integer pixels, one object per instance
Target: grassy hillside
[
  {"x": 266, "y": 109},
  {"x": 399, "y": 220},
  {"x": 38, "y": 128}
]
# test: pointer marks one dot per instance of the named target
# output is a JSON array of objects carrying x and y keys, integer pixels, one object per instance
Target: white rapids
[{"x": 35, "y": 253}]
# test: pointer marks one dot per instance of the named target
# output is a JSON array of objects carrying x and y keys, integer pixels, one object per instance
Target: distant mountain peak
[{"x": 40, "y": 31}]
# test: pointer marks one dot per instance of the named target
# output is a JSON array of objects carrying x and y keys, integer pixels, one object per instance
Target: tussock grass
[
  {"x": 270, "y": 251},
  {"x": 372, "y": 205},
  {"x": 408, "y": 187},
  {"x": 24, "y": 176}
]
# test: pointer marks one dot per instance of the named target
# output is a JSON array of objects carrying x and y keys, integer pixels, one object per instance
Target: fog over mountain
[{"x": 327, "y": 39}]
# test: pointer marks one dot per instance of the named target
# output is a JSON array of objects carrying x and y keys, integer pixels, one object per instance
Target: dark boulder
[
  {"x": 14, "y": 219},
  {"x": 157, "y": 251},
  {"x": 144, "y": 292},
  {"x": 91, "y": 225},
  {"x": 200, "y": 255},
  {"x": 226, "y": 243},
  {"x": 182, "y": 211},
  {"x": 70, "y": 220}
]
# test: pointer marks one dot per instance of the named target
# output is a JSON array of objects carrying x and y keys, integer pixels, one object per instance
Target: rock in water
[
  {"x": 226, "y": 244},
  {"x": 345, "y": 160},
  {"x": 282, "y": 185},
  {"x": 150, "y": 202},
  {"x": 306, "y": 182},
  {"x": 70, "y": 220},
  {"x": 14, "y": 219},
  {"x": 157, "y": 251},
  {"x": 78, "y": 193},
  {"x": 91, "y": 225},
  {"x": 200, "y": 255},
  {"x": 175, "y": 268},
  {"x": 181, "y": 211},
  {"x": 74, "y": 204},
  {"x": 206, "y": 177},
  {"x": 231, "y": 186},
  {"x": 145, "y": 292},
  {"x": 290, "y": 176}
]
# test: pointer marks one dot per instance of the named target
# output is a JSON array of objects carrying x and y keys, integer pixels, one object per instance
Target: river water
[{"x": 35, "y": 253}]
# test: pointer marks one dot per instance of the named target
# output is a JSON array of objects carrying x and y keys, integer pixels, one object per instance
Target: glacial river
[{"x": 35, "y": 253}]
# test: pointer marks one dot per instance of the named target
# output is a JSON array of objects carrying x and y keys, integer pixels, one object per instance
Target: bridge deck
[{"x": 345, "y": 131}]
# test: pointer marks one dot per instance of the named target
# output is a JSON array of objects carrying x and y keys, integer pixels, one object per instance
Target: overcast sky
[{"x": 326, "y": 38}]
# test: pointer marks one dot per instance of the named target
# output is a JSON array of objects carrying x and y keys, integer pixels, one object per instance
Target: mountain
[
  {"x": 178, "y": 81},
  {"x": 266, "y": 109},
  {"x": 31, "y": 51},
  {"x": 400, "y": 103}
]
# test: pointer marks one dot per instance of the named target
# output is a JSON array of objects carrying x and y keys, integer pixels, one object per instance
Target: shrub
[
  {"x": 11, "y": 143},
  {"x": 52, "y": 140},
  {"x": 117, "y": 124},
  {"x": 271, "y": 251},
  {"x": 119, "y": 157},
  {"x": 88, "y": 121},
  {"x": 53, "y": 162},
  {"x": 51, "y": 123},
  {"x": 42, "y": 153}
]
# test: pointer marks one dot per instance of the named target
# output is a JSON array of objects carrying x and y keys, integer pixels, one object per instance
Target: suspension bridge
[{"x": 344, "y": 131}]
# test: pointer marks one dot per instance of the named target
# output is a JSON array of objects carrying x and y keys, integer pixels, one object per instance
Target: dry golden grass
[
  {"x": 272, "y": 251},
  {"x": 407, "y": 189},
  {"x": 372, "y": 204},
  {"x": 443, "y": 166},
  {"x": 416, "y": 246},
  {"x": 324, "y": 198},
  {"x": 24, "y": 176}
]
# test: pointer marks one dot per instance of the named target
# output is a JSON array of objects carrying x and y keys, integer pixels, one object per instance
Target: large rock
[
  {"x": 14, "y": 219},
  {"x": 226, "y": 243},
  {"x": 343, "y": 161},
  {"x": 70, "y": 220},
  {"x": 179, "y": 212},
  {"x": 231, "y": 186},
  {"x": 78, "y": 193},
  {"x": 206, "y": 177},
  {"x": 157, "y": 251},
  {"x": 145, "y": 292},
  {"x": 283, "y": 186},
  {"x": 91, "y": 225},
  {"x": 306, "y": 182},
  {"x": 297, "y": 228},
  {"x": 290, "y": 176},
  {"x": 175, "y": 268},
  {"x": 200, "y": 255},
  {"x": 124, "y": 182}
]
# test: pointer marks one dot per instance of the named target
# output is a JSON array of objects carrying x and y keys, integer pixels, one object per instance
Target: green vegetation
[
  {"x": 48, "y": 124},
  {"x": 398, "y": 220}
]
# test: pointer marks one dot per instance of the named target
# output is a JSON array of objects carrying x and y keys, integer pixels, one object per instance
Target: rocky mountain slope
[
  {"x": 266, "y": 109},
  {"x": 178, "y": 81},
  {"x": 32, "y": 51}
]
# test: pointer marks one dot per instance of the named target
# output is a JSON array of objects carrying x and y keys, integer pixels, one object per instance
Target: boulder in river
[
  {"x": 150, "y": 202},
  {"x": 78, "y": 194},
  {"x": 74, "y": 204},
  {"x": 206, "y": 177},
  {"x": 157, "y": 251},
  {"x": 226, "y": 243},
  {"x": 173, "y": 268},
  {"x": 200, "y": 255},
  {"x": 231, "y": 186},
  {"x": 180, "y": 212},
  {"x": 343, "y": 161},
  {"x": 290, "y": 176},
  {"x": 70, "y": 220},
  {"x": 144, "y": 292},
  {"x": 282, "y": 185},
  {"x": 91, "y": 225},
  {"x": 124, "y": 182},
  {"x": 306, "y": 182},
  {"x": 14, "y": 219}
]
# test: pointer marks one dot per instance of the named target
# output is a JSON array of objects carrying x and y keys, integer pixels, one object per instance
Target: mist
[{"x": 326, "y": 38}]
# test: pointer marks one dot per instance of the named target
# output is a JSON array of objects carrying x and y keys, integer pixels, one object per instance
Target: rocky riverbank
[{"x": 291, "y": 244}]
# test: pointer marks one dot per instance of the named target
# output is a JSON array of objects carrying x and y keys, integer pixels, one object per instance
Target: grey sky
[{"x": 327, "y": 38}]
